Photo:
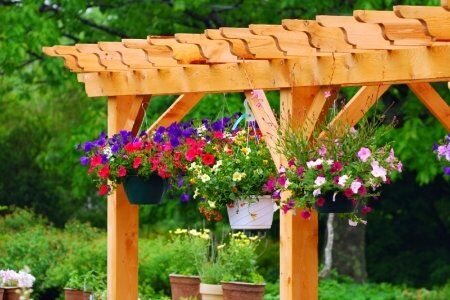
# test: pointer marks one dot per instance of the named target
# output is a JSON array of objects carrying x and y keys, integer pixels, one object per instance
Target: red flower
[
  {"x": 336, "y": 167},
  {"x": 348, "y": 193},
  {"x": 137, "y": 162},
  {"x": 95, "y": 161},
  {"x": 104, "y": 189},
  {"x": 129, "y": 147},
  {"x": 362, "y": 190},
  {"x": 319, "y": 167},
  {"x": 320, "y": 202},
  {"x": 177, "y": 156},
  {"x": 218, "y": 135},
  {"x": 208, "y": 159},
  {"x": 336, "y": 180},
  {"x": 191, "y": 154},
  {"x": 104, "y": 172},
  {"x": 137, "y": 145},
  {"x": 366, "y": 209},
  {"x": 122, "y": 172},
  {"x": 306, "y": 214}
]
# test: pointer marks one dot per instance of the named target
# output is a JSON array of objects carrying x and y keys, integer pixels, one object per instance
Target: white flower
[
  {"x": 352, "y": 223},
  {"x": 237, "y": 176},
  {"x": 212, "y": 204},
  {"x": 342, "y": 180},
  {"x": 330, "y": 162},
  {"x": 215, "y": 168},
  {"x": 316, "y": 192},
  {"x": 205, "y": 178},
  {"x": 320, "y": 180},
  {"x": 378, "y": 171},
  {"x": 311, "y": 164},
  {"x": 196, "y": 193},
  {"x": 355, "y": 186},
  {"x": 107, "y": 151}
]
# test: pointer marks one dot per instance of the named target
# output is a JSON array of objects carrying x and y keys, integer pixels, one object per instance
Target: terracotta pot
[
  {"x": 242, "y": 291},
  {"x": 336, "y": 203},
  {"x": 184, "y": 287},
  {"x": 76, "y": 295},
  {"x": 11, "y": 293},
  {"x": 252, "y": 214},
  {"x": 1, "y": 293},
  {"x": 211, "y": 291}
]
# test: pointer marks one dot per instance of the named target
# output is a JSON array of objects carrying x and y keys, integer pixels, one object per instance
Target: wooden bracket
[{"x": 433, "y": 101}]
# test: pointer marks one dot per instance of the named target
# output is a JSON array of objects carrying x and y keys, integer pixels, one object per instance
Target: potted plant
[
  {"x": 442, "y": 151},
  {"x": 336, "y": 173},
  {"x": 85, "y": 287},
  {"x": 242, "y": 280},
  {"x": 211, "y": 275},
  {"x": 16, "y": 284},
  {"x": 191, "y": 249},
  {"x": 233, "y": 176}
]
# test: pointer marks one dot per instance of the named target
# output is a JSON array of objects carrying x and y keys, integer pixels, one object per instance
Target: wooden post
[
  {"x": 124, "y": 112},
  {"x": 298, "y": 237}
]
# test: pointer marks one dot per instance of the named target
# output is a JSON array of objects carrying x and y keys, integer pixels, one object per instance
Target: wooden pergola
[{"x": 306, "y": 60}]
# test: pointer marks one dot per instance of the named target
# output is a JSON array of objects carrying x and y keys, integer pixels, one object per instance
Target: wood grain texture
[
  {"x": 357, "y": 107},
  {"x": 388, "y": 67},
  {"x": 213, "y": 50},
  {"x": 436, "y": 19},
  {"x": 298, "y": 237},
  {"x": 445, "y": 4},
  {"x": 123, "y": 218},
  {"x": 433, "y": 101},
  {"x": 176, "y": 112},
  {"x": 266, "y": 120}
]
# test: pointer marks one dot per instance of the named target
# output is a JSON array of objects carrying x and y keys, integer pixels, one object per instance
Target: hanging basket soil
[
  {"x": 336, "y": 204},
  {"x": 76, "y": 295},
  {"x": 252, "y": 216},
  {"x": 211, "y": 291},
  {"x": 145, "y": 191},
  {"x": 184, "y": 287},
  {"x": 242, "y": 291}
]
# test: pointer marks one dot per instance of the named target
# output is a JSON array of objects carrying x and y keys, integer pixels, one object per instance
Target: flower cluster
[
  {"x": 240, "y": 167},
  {"x": 352, "y": 166},
  {"x": 442, "y": 151},
  {"x": 203, "y": 234},
  {"x": 21, "y": 279}
]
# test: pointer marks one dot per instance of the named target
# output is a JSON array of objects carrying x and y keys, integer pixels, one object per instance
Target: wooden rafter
[{"x": 433, "y": 101}]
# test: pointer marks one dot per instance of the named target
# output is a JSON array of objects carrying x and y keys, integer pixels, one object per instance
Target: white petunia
[
  {"x": 320, "y": 180},
  {"x": 342, "y": 180},
  {"x": 316, "y": 192},
  {"x": 355, "y": 186}
]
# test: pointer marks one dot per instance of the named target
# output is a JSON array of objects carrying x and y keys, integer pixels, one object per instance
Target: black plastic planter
[
  {"x": 145, "y": 191},
  {"x": 341, "y": 204}
]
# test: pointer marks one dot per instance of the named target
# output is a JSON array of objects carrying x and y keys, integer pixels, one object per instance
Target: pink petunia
[
  {"x": 122, "y": 172},
  {"x": 137, "y": 162},
  {"x": 364, "y": 153}
]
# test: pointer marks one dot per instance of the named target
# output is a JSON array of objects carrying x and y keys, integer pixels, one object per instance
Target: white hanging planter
[{"x": 252, "y": 215}]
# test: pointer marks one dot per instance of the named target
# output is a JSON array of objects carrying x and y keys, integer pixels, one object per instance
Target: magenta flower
[
  {"x": 300, "y": 171},
  {"x": 364, "y": 154},
  {"x": 282, "y": 180},
  {"x": 366, "y": 209},
  {"x": 336, "y": 167},
  {"x": 320, "y": 202},
  {"x": 306, "y": 214},
  {"x": 269, "y": 186},
  {"x": 322, "y": 151}
]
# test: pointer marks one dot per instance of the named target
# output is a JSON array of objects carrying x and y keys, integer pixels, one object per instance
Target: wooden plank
[
  {"x": 183, "y": 53},
  {"x": 318, "y": 109},
  {"x": 218, "y": 51},
  {"x": 326, "y": 39},
  {"x": 123, "y": 218},
  {"x": 395, "y": 66},
  {"x": 445, "y": 4},
  {"x": 238, "y": 47},
  {"x": 400, "y": 31},
  {"x": 437, "y": 19},
  {"x": 291, "y": 43},
  {"x": 161, "y": 56},
  {"x": 177, "y": 110},
  {"x": 266, "y": 120},
  {"x": 70, "y": 61},
  {"x": 259, "y": 45},
  {"x": 433, "y": 101},
  {"x": 298, "y": 237},
  {"x": 357, "y": 107},
  {"x": 110, "y": 59},
  {"x": 363, "y": 35},
  {"x": 86, "y": 61}
]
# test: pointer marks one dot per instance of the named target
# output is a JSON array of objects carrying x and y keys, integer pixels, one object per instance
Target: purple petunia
[
  {"x": 184, "y": 198},
  {"x": 447, "y": 170},
  {"x": 158, "y": 138},
  {"x": 180, "y": 182},
  {"x": 84, "y": 160},
  {"x": 88, "y": 146}
]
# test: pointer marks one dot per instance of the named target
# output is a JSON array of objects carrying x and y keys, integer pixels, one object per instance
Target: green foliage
[{"x": 92, "y": 282}]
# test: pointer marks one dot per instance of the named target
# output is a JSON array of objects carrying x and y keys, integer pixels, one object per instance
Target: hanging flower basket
[
  {"x": 335, "y": 203},
  {"x": 145, "y": 191},
  {"x": 251, "y": 214}
]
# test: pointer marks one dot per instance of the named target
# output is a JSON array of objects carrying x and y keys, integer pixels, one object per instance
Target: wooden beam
[
  {"x": 298, "y": 237},
  {"x": 433, "y": 101},
  {"x": 358, "y": 106},
  {"x": 369, "y": 68},
  {"x": 266, "y": 120},
  {"x": 177, "y": 110},
  {"x": 317, "y": 112},
  {"x": 123, "y": 218},
  {"x": 445, "y": 4}
]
